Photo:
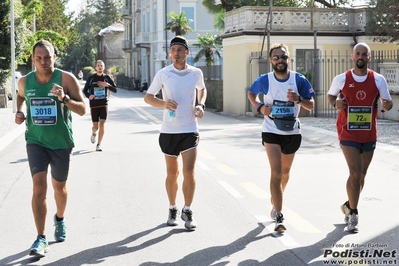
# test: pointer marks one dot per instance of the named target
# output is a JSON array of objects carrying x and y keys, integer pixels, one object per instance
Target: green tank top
[{"x": 48, "y": 121}]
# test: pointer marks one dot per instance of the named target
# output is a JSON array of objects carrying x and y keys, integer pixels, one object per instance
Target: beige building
[{"x": 320, "y": 43}]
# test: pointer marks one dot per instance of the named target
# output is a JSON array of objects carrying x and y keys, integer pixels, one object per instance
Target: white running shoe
[
  {"x": 172, "y": 217},
  {"x": 93, "y": 138},
  {"x": 280, "y": 223},
  {"x": 187, "y": 217},
  {"x": 353, "y": 223},
  {"x": 273, "y": 213},
  {"x": 345, "y": 210}
]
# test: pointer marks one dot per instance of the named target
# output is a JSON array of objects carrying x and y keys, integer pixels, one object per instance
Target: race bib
[
  {"x": 43, "y": 111},
  {"x": 99, "y": 93},
  {"x": 359, "y": 117},
  {"x": 282, "y": 109}
]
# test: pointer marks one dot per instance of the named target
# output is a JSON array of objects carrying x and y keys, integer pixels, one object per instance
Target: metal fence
[
  {"x": 321, "y": 67},
  {"x": 331, "y": 64},
  {"x": 214, "y": 72}
]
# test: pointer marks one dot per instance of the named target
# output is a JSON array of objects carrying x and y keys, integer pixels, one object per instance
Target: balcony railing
[
  {"x": 214, "y": 72},
  {"x": 391, "y": 73},
  {"x": 127, "y": 45},
  {"x": 252, "y": 18},
  {"x": 143, "y": 38},
  {"x": 126, "y": 11}
]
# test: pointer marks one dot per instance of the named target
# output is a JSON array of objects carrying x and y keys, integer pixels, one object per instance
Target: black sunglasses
[{"x": 277, "y": 57}]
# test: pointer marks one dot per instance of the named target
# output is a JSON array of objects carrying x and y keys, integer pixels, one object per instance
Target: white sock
[
  {"x": 173, "y": 207},
  {"x": 186, "y": 208}
]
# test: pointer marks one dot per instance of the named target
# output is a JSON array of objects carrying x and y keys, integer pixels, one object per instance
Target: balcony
[
  {"x": 143, "y": 39},
  {"x": 288, "y": 19},
  {"x": 126, "y": 12},
  {"x": 127, "y": 45}
]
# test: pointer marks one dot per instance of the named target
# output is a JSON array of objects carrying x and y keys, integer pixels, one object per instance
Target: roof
[{"x": 115, "y": 28}]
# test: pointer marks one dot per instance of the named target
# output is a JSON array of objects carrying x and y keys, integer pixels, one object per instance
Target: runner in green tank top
[{"x": 50, "y": 95}]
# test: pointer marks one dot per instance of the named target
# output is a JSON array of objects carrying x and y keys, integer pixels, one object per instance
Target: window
[{"x": 190, "y": 13}]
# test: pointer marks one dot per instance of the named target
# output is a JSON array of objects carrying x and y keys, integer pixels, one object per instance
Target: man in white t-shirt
[
  {"x": 181, "y": 86},
  {"x": 285, "y": 92}
]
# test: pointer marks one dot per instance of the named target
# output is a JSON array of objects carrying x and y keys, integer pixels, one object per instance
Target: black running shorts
[
  {"x": 174, "y": 144},
  {"x": 289, "y": 143},
  {"x": 99, "y": 113}
]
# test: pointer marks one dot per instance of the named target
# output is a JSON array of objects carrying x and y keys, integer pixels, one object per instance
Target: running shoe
[
  {"x": 345, "y": 210},
  {"x": 187, "y": 217},
  {"x": 60, "y": 230},
  {"x": 93, "y": 138},
  {"x": 39, "y": 247},
  {"x": 273, "y": 213},
  {"x": 172, "y": 217},
  {"x": 98, "y": 148},
  {"x": 280, "y": 223},
  {"x": 353, "y": 222}
]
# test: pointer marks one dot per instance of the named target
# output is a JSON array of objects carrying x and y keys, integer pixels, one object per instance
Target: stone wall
[{"x": 214, "y": 98}]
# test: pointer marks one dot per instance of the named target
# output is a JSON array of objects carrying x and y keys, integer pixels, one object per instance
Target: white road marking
[
  {"x": 207, "y": 155},
  {"x": 226, "y": 169},
  {"x": 255, "y": 190},
  {"x": 203, "y": 165},
  {"x": 230, "y": 189},
  {"x": 285, "y": 238}
]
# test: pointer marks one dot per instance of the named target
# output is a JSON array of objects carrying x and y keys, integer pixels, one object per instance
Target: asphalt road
[{"x": 118, "y": 207}]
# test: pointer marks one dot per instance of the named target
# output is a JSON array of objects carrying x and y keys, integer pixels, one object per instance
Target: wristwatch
[
  {"x": 299, "y": 99},
  {"x": 202, "y": 105},
  {"x": 66, "y": 99}
]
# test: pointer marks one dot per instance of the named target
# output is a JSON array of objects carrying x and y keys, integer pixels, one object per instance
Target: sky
[{"x": 74, "y": 5}]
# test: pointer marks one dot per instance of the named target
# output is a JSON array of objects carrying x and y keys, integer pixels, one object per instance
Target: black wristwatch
[
  {"x": 66, "y": 99},
  {"x": 202, "y": 105},
  {"x": 299, "y": 99}
]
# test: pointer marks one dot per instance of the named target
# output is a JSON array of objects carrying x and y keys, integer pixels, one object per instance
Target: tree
[
  {"x": 210, "y": 45},
  {"x": 96, "y": 16},
  {"x": 20, "y": 37},
  {"x": 218, "y": 21},
  {"x": 178, "y": 23},
  {"x": 383, "y": 22}
]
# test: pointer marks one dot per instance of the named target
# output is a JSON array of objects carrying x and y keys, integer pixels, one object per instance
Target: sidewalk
[{"x": 9, "y": 131}]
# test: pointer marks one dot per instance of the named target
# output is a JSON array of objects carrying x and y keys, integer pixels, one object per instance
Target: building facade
[
  {"x": 146, "y": 42},
  {"x": 320, "y": 42},
  {"x": 110, "y": 46}
]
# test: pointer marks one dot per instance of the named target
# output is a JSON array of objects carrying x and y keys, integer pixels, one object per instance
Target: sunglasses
[{"x": 277, "y": 57}]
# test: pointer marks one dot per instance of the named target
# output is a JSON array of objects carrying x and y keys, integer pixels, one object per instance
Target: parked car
[{"x": 17, "y": 76}]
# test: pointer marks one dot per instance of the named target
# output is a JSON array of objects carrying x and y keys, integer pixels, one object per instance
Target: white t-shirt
[
  {"x": 180, "y": 86},
  {"x": 338, "y": 83}
]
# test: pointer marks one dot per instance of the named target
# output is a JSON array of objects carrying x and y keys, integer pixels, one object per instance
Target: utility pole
[{"x": 14, "y": 107}]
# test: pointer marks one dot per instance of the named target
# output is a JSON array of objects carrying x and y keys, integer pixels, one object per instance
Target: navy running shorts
[
  {"x": 40, "y": 158},
  {"x": 362, "y": 147}
]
